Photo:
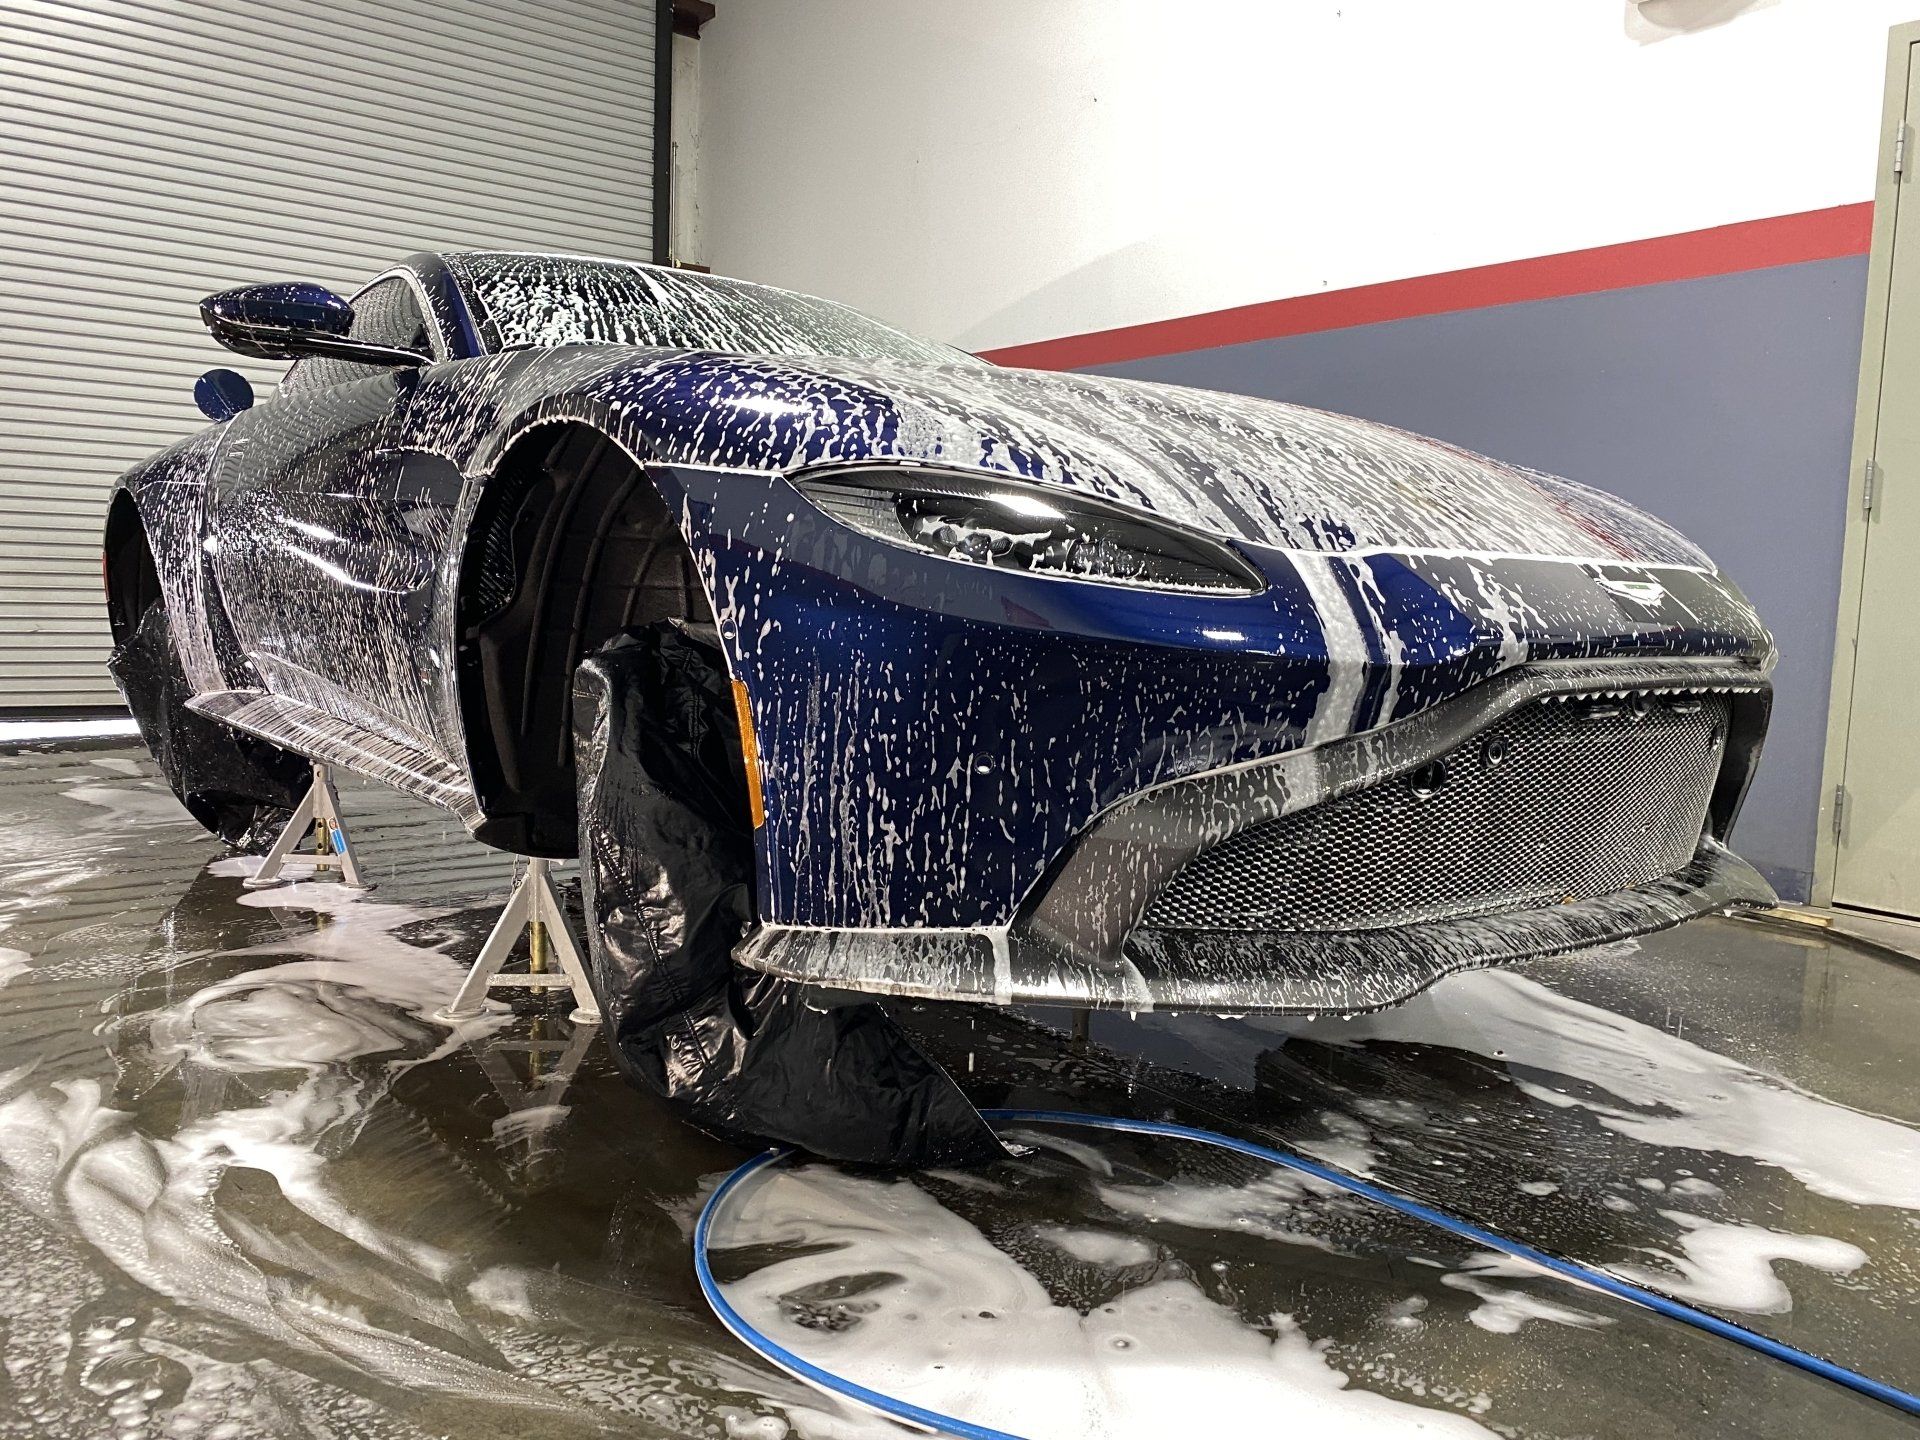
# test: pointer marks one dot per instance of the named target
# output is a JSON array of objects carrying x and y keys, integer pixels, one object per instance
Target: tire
[
  {"x": 241, "y": 788},
  {"x": 667, "y": 863}
]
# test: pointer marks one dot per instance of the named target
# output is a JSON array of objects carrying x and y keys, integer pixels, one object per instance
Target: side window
[{"x": 386, "y": 314}]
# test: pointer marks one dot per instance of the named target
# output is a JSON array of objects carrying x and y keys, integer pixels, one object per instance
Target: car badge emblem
[{"x": 1641, "y": 592}]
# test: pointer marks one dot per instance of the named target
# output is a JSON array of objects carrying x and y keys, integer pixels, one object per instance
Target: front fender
[{"x": 169, "y": 493}]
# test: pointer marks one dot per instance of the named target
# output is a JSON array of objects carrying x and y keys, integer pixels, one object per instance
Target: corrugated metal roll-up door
[{"x": 154, "y": 151}]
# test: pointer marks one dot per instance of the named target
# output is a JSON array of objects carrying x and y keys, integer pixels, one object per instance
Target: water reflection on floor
[{"x": 250, "y": 1187}]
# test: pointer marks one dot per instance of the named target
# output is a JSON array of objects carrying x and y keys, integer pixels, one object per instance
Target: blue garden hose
[{"x": 1464, "y": 1229}]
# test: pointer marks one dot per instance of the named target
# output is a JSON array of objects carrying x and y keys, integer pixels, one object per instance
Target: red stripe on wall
[{"x": 1724, "y": 250}]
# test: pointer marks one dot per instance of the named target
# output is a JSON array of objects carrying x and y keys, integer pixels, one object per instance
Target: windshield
[{"x": 544, "y": 300}]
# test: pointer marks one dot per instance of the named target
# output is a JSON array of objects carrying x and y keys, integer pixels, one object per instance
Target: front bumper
[{"x": 1080, "y": 938}]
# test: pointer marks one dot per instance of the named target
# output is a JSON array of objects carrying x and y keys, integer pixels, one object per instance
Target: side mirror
[
  {"x": 290, "y": 320},
  {"x": 222, "y": 394}
]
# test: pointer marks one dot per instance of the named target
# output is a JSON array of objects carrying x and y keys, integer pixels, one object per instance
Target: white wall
[
  {"x": 996, "y": 171},
  {"x": 686, "y": 242}
]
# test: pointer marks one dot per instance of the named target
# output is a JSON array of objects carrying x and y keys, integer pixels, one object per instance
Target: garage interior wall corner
[{"x": 1001, "y": 174}]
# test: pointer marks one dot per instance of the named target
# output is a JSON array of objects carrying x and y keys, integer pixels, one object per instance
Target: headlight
[{"x": 1012, "y": 526}]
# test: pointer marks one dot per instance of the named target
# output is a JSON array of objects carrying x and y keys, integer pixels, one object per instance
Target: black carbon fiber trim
[{"x": 1290, "y": 972}]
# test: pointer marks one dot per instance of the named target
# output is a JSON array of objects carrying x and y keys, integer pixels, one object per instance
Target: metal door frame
[{"x": 1897, "y": 128}]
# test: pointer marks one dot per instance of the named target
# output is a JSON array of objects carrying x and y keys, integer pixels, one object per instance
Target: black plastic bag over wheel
[
  {"x": 242, "y": 788},
  {"x": 666, "y": 849}
]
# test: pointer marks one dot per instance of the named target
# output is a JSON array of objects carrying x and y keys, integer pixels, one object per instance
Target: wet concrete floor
[{"x": 249, "y": 1187}]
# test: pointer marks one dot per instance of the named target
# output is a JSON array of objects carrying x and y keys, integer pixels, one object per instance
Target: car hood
[{"x": 1256, "y": 470}]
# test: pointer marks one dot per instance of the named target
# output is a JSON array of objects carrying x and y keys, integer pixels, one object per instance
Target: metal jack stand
[
  {"x": 533, "y": 907},
  {"x": 318, "y": 814}
]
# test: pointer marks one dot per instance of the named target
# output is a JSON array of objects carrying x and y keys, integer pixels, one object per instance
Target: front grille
[{"x": 1564, "y": 799}]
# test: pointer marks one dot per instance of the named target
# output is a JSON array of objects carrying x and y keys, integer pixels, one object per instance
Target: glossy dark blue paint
[
  {"x": 1444, "y": 651},
  {"x": 321, "y": 492},
  {"x": 1058, "y": 697},
  {"x": 286, "y": 304},
  {"x": 222, "y": 394}
]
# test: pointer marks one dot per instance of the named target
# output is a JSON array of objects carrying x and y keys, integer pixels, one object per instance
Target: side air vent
[{"x": 500, "y": 549}]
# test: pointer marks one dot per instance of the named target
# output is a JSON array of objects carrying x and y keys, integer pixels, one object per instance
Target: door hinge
[
  {"x": 1839, "y": 810},
  {"x": 1869, "y": 482},
  {"x": 1900, "y": 151}
]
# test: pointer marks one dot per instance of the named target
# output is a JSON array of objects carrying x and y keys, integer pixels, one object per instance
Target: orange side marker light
[{"x": 749, "y": 753}]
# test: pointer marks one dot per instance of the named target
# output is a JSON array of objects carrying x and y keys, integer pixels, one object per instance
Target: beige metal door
[{"x": 1877, "y": 860}]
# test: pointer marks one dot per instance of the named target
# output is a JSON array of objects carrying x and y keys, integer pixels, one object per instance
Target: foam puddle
[
  {"x": 1503, "y": 1309},
  {"x": 282, "y": 1202},
  {"x": 1563, "y": 1055},
  {"x": 253, "y": 1176},
  {"x": 345, "y": 1023},
  {"x": 882, "y": 1284},
  {"x": 1158, "y": 1297},
  {"x": 1107, "y": 1286},
  {"x": 1730, "y": 1267},
  {"x": 1658, "y": 1088}
]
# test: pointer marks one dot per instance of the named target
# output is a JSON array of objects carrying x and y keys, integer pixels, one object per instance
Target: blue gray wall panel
[{"x": 1724, "y": 405}]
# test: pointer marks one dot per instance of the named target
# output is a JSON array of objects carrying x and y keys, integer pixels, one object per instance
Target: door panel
[
  {"x": 1878, "y": 860},
  {"x": 326, "y": 577}
]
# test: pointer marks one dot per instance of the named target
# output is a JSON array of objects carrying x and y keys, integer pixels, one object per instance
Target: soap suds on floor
[
  {"x": 1098, "y": 1247},
  {"x": 1663, "y": 1090},
  {"x": 1503, "y": 1309},
  {"x": 1731, "y": 1267},
  {"x": 902, "y": 1295}
]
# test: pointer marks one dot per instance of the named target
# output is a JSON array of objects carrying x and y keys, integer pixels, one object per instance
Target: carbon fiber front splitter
[{"x": 1301, "y": 972}]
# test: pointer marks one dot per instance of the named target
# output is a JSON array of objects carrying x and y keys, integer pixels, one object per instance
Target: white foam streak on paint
[
  {"x": 13, "y": 962},
  {"x": 1658, "y": 1088},
  {"x": 1505, "y": 609},
  {"x": 1503, "y": 1309},
  {"x": 1730, "y": 1267},
  {"x": 964, "y": 1330},
  {"x": 1393, "y": 643},
  {"x": 1346, "y": 644}
]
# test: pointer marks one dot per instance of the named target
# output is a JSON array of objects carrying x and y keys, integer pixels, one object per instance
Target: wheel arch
[
  {"x": 569, "y": 541},
  {"x": 128, "y": 571}
]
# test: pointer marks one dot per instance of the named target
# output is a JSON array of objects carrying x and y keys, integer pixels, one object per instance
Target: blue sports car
[{"x": 847, "y": 662}]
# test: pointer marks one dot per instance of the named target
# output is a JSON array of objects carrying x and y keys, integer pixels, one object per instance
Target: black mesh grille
[
  {"x": 499, "y": 548},
  {"x": 1563, "y": 799}
]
